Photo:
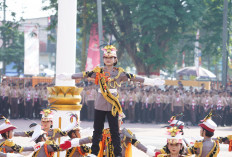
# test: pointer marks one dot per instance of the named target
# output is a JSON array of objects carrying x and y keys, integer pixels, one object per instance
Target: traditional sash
[{"x": 100, "y": 76}]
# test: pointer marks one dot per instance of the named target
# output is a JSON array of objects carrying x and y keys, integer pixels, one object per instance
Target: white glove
[
  {"x": 64, "y": 76},
  {"x": 71, "y": 126},
  {"x": 150, "y": 152},
  {"x": 75, "y": 142},
  {"x": 91, "y": 155},
  {"x": 153, "y": 82},
  {"x": 13, "y": 155}
]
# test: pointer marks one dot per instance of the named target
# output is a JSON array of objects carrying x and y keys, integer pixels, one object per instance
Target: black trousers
[
  {"x": 137, "y": 112},
  {"x": 5, "y": 107},
  {"x": 167, "y": 112},
  {"x": 37, "y": 108},
  {"x": 159, "y": 113},
  {"x": 14, "y": 108},
  {"x": 99, "y": 119},
  {"x": 226, "y": 116},
  {"x": 21, "y": 109},
  {"x": 218, "y": 120},
  {"x": 84, "y": 115},
  {"x": 90, "y": 104},
  {"x": 146, "y": 115},
  {"x": 29, "y": 109}
]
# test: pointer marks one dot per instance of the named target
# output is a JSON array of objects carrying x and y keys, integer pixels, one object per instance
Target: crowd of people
[
  {"x": 19, "y": 100},
  {"x": 154, "y": 105},
  {"x": 141, "y": 104}
]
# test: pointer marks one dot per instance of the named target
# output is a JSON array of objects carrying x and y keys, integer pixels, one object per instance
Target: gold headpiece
[
  {"x": 109, "y": 49},
  {"x": 208, "y": 116}
]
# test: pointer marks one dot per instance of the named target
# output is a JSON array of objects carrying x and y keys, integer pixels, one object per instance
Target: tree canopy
[{"x": 155, "y": 33}]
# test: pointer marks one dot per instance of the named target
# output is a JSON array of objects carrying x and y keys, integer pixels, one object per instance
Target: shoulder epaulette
[
  {"x": 9, "y": 143},
  {"x": 97, "y": 69},
  {"x": 15, "y": 147},
  {"x": 198, "y": 144}
]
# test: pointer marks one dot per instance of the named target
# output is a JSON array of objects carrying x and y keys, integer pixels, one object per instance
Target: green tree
[
  {"x": 210, "y": 26},
  {"x": 149, "y": 31},
  {"x": 12, "y": 48}
]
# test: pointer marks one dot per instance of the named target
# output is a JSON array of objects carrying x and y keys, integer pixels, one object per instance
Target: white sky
[{"x": 25, "y": 8}]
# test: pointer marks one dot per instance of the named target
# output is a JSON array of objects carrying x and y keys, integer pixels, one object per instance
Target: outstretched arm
[
  {"x": 66, "y": 76},
  {"x": 146, "y": 81},
  {"x": 86, "y": 74},
  {"x": 24, "y": 134},
  {"x": 76, "y": 142}
]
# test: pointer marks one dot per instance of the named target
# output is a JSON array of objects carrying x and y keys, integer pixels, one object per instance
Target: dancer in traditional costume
[
  {"x": 174, "y": 147},
  {"x": 47, "y": 122},
  {"x": 206, "y": 147},
  {"x": 127, "y": 140},
  {"x": 46, "y": 146},
  {"x": 106, "y": 147},
  {"x": 43, "y": 147},
  {"x": 7, "y": 145},
  {"x": 82, "y": 150},
  {"x": 109, "y": 78},
  {"x": 173, "y": 122}
]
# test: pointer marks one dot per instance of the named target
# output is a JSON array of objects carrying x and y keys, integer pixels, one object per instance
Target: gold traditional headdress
[
  {"x": 47, "y": 113},
  {"x": 109, "y": 49}
]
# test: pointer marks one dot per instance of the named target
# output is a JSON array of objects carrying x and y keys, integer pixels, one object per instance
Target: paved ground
[{"x": 148, "y": 134}]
